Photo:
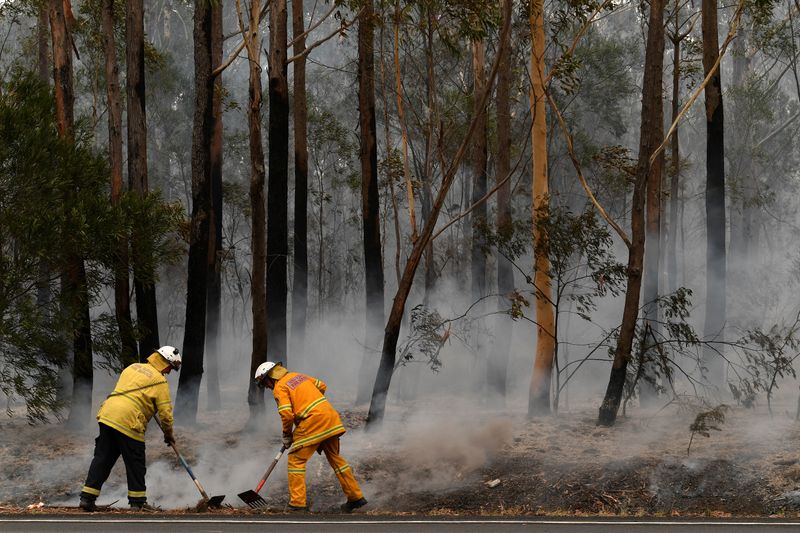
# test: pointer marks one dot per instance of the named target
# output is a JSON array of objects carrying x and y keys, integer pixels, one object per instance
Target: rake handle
[
  {"x": 191, "y": 474},
  {"x": 270, "y": 469},
  {"x": 184, "y": 463}
]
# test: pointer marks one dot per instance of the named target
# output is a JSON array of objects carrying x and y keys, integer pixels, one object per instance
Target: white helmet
[
  {"x": 263, "y": 369},
  {"x": 172, "y": 355}
]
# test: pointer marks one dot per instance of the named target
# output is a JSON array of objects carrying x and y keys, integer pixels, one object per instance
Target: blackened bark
[
  {"x": 715, "y": 197},
  {"x": 498, "y": 362},
  {"x": 74, "y": 274},
  {"x": 370, "y": 208},
  {"x": 196, "y": 283},
  {"x": 143, "y": 273},
  {"x": 122, "y": 302},
  {"x": 214, "y": 296},
  {"x": 649, "y": 139},
  {"x": 300, "y": 237},
  {"x": 278, "y": 188},
  {"x": 255, "y": 395},
  {"x": 674, "y": 184}
]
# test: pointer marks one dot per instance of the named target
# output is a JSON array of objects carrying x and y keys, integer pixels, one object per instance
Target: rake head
[
  {"x": 212, "y": 503},
  {"x": 251, "y": 498}
]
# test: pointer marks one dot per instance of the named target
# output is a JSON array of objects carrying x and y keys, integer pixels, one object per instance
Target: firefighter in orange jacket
[
  {"x": 141, "y": 391},
  {"x": 317, "y": 427}
]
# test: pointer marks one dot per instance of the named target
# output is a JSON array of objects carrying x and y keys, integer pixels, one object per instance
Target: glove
[
  {"x": 287, "y": 440},
  {"x": 169, "y": 438}
]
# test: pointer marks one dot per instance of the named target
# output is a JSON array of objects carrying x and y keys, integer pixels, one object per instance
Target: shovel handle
[{"x": 270, "y": 469}]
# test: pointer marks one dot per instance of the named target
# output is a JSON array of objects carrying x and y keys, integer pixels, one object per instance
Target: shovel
[
  {"x": 251, "y": 497},
  {"x": 213, "y": 502}
]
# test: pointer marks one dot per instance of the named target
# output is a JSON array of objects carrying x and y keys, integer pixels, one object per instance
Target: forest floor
[{"x": 432, "y": 464}]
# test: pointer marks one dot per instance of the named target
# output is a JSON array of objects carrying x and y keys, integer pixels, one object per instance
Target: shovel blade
[
  {"x": 215, "y": 501},
  {"x": 251, "y": 498}
]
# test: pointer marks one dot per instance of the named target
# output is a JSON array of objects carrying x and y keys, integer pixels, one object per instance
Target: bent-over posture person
[
  {"x": 317, "y": 427},
  {"x": 141, "y": 391}
]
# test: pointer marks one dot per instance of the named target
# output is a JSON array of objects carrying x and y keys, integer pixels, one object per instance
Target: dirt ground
[{"x": 432, "y": 464}]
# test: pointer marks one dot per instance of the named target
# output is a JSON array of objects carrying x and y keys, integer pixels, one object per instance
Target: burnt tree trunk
[
  {"x": 675, "y": 157},
  {"x": 196, "y": 283},
  {"x": 715, "y": 197},
  {"x": 122, "y": 301},
  {"x": 74, "y": 281},
  {"x": 214, "y": 295},
  {"x": 278, "y": 187},
  {"x": 143, "y": 272},
  {"x": 300, "y": 237},
  {"x": 370, "y": 209},
  {"x": 649, "y": 138},
  {"x": 479, "y": 178},
  {"x": 255, "y": 395},
  {"x": 498, "y": 361}
]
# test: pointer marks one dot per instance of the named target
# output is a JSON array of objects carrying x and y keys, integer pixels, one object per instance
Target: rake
[
  {"x": 213, "y": 502},
  {"x": 251, "y": 497}
]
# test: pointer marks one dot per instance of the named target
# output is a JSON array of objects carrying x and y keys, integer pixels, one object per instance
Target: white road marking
[{"x": 393, "y": 522}]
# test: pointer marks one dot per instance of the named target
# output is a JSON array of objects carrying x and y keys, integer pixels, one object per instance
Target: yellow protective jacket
[
  {"x": 141, "y": 391},
  {"x": 301, "y": 402}
]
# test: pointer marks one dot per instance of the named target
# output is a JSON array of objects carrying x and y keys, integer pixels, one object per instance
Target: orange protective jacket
[
  {"x": 301, "y": 402},
  {"x": 141, "y": 391}
]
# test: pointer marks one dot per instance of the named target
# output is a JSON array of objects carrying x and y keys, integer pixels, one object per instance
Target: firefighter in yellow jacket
[
  {"x": 141, "y": 391},
  {"x": 317, "y": 427}
]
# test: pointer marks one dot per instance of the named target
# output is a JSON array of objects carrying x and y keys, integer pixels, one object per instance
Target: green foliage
[
  {"x": 54, "y": 205},
  {"x": 429, "y": 331},
  {"x": 706, "y": 421},
  {"x": 582, "y": 265}
]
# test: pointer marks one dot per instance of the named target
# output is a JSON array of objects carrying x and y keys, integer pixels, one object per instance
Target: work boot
[
  {"x": 87, "y": 504},
  {"x": 297, "y": 508},
  {"x": 349, "y": 506},
  {"x": 143, "y": 507}
]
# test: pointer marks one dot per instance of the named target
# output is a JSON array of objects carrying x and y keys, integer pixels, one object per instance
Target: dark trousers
[{"x": 108, "y": 446}]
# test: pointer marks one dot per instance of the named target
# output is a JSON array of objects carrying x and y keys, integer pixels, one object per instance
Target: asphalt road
[{"x": 28, "y": 523}]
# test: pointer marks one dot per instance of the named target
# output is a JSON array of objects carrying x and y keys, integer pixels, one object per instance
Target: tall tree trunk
[
  {"x": 383, "y": 379},
  {"x": 498, "y": 362},
  {"x": 122, "y": 302},
  {"x": 143, "y": 274},
  {"x": 715, "y": 197},
  {"x": 300, "y": 280},
  {"x": 196, "y": 283},
  {"x": 401, "y": 117},
  {"x": 539, "y": 395},
  {"x": 278, "y": 188},
  {"x": 42, "y": 46},
  {"x": 427, "y": 177},
  {"x": 74, "y": 278},
  {"x": 370, "y": 208},
  {"x": 255, "y": 395},
  {"x": 649, "y": 138},
  {"x": 675, "y": 156},
  {"x": 648, "y": 392},
  {"x": 479, "y": 177},
  {"x": 214, "y": 297}
]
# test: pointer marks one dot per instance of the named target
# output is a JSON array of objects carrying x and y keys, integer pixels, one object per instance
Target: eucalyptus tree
[
  {"x": 392, "y": 329},
  {"x": 143, "y": 274},
  {"x": 278, "y": 183},
  {"x": 716, "y": 270},
  {"x": 197, "y": 278},
  {"x": 650, "y": 137},
  {"x": 370, "y": 208}
]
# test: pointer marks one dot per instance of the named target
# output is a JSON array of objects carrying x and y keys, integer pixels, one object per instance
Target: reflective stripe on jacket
[
  {"x": 301, "y": 403},
  {"x": 141, "y": 391}
]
